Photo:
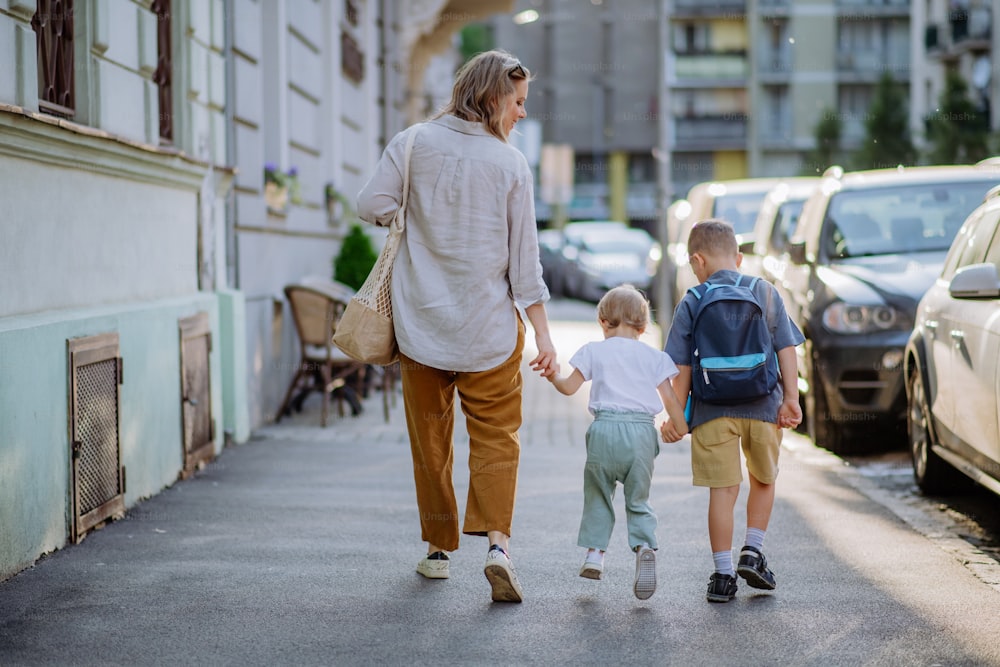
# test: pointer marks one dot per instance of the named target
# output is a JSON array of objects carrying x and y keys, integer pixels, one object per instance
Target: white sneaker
[
  {"x": 645, "y": 573},
  {"x": 592, "y": 570},
  {"x": 500, "y": 573},
  {"x": 434, "y": 566}
]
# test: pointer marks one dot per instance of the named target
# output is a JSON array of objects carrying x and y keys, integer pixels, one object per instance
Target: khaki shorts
[{"x": 715, "y": 451}]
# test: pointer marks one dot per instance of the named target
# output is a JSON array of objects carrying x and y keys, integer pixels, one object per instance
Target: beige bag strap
[{"x": 400, "y": 220}]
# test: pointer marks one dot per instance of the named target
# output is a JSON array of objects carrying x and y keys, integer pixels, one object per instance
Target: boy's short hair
[
  {"x": 624, "y": 305},
  {"x": 713, "y": 237}
]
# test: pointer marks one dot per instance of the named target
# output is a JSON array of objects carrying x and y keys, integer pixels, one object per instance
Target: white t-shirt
[{"x": 624, "y": 374}]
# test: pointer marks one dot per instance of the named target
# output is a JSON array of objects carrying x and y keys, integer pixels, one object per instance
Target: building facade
[
  {"x": 596, "y": 72},
  {"x": 961, "y": 36},
  {"x": 167, "y": 167},
  {"x": 656, "y": 97}
]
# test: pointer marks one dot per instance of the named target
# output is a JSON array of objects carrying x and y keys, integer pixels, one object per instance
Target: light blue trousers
[{"x": 621, "y": 447}]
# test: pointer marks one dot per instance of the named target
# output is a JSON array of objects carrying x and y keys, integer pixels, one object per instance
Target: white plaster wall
[{"x": 74, "y": 238}]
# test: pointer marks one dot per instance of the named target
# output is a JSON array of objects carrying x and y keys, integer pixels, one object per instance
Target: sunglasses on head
[{"x": 517, "y": 70}]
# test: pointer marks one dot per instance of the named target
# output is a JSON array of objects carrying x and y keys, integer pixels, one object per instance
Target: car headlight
[{"x": 847, "y": 318}]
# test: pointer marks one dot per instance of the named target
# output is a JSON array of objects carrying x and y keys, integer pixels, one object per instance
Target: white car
[{"x": 952, "y": 362}]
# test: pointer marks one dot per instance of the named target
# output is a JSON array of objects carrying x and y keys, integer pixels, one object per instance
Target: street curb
[{"x": 934, "y": 526}]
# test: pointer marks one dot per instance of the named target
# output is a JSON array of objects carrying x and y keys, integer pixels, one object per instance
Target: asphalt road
[{"x": 299, "y": 547}]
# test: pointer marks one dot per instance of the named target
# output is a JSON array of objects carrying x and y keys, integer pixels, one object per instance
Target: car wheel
[
  {"x": 822, "y": 428},
  {"x": 932, "y": 474}
]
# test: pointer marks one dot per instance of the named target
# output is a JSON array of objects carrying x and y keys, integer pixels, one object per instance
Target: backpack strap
[{"x": 698, "y": 293}]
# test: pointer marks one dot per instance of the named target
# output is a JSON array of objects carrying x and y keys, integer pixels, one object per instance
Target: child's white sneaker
[
  {"x": 645, "y": 573},
  {"x": 592, "y": 570}
]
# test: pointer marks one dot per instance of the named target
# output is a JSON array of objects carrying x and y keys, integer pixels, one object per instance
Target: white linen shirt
[
  {"x": 624, "y": 374},
  {"x": 470, "y": 247}
]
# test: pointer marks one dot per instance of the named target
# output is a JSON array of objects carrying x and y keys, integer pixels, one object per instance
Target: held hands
[
  {"x": 670, "y": 432},
  {"x": 545, "y": 362},
  {"x": 789, "y": 413}
]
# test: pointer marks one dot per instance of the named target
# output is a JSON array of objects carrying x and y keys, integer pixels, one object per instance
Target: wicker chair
[
  {"x": 322, "y": 367},
  {"x": 384, "y": 377}
]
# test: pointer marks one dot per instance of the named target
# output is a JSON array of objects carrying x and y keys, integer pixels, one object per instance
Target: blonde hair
[
  {"x": 624, "y": 305},
  {"x": 480, "y": 86},
  {"x": 713, "y": 237}
]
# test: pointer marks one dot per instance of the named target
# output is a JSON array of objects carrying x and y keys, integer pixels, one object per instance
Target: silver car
[
  {"x": 952, "y": 362},
  {"x": 605, "y": 257}
]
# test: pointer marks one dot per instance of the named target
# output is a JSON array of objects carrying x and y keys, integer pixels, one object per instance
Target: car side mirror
[
  {"x": 797, "y": 252},
  {"x": 976, "y": 281}
]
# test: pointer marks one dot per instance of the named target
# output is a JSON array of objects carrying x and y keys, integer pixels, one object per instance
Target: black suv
[{"x": 867, "y": 247}]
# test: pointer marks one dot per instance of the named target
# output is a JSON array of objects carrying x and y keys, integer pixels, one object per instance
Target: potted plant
[
  {"x": 356, "y": 258},
  {"x": 280, "y": 187},
  {"x": 338, "y": 206}
]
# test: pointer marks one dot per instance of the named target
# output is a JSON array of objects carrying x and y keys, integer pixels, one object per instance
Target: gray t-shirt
[{"x": 784, "y": 334}]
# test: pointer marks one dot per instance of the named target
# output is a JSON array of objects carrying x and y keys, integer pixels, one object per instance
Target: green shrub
[{"x": 356, "y": 258}]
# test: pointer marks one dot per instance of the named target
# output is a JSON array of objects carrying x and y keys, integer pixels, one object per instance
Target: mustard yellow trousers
[{"x": 491, "y": 402}]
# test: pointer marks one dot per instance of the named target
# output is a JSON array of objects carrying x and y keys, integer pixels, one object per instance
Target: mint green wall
[
  {"x": 34, "y": 439},
  {"x": 234, "y": 379}
]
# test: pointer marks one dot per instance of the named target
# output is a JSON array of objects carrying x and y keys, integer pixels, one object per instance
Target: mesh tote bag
[{"x": 365, "y": 331}]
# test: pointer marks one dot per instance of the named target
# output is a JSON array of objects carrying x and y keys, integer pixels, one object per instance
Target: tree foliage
[
  {"x": 957, "y": 132},
  {"x": 887, "y": 129},
  {"x": 356, "y": 258},
  {"x": 825, "y": 152},
  {"x": 474, "y": 38}
]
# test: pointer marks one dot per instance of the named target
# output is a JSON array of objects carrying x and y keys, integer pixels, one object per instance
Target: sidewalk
[{"x": 299, "y": 548}]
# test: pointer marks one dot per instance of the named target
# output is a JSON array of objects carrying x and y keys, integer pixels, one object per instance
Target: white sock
[
  {"x": 724, "y": 562},
  {"x": 755, "y": 538},
  {"x": 595, "y": 556}
]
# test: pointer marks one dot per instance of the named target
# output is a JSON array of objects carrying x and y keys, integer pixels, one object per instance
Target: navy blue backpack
[{"x": 732, "y": 358}]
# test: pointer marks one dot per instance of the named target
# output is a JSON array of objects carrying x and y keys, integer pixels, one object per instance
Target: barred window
[
  {"x": 53, "y": 26},
  {"x": 163, "y": 77}
]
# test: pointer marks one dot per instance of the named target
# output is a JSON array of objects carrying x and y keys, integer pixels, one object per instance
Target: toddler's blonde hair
[{"x": 624, "y": 305}]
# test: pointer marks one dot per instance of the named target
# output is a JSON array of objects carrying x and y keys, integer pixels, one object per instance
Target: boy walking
[
  {"x": 630, "y": 385},
  {"x": 725, "y": 336}
]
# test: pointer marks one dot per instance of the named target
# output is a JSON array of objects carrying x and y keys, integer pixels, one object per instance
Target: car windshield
[
  {"x": 899, "y": 219},
  {"x": 739, "y": 210},
  {"x": 787, "y": 219},
  {"x": 618, "y": 243}
]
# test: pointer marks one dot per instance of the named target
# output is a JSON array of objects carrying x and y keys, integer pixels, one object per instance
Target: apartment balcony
[
  {"x": 729, "y": 9},
  {"x": 712, "y": 70},
  {"x": 966, "y": 31},
  {"x": 868, "y": 9},
  {"x": 711, "y": 132},
  {"x": 868, "y": 66},
  {"x": 774, "y": 65},
  {"x": 776, "y": 131},
  {"x": 773, "y": 7}
]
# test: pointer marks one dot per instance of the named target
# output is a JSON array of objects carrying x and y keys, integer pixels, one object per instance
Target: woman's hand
[{"x": 545, "y": 361}]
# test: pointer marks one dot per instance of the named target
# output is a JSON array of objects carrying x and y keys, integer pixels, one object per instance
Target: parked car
[
  {"x": 952, "y": 364},
  {"x": 736, "y": 201},
  {"x": 550, "y": 254},
  {"x": 867, "y": 247},
  {"x": 599, "y": 255},
  {"x": 776, "y": 222}
]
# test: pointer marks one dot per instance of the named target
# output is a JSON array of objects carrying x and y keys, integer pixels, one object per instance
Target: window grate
[
  {"x": 98, "y": 479},
  {"x": 97, "y": 433},
  {"x": 53, "y": 26}
]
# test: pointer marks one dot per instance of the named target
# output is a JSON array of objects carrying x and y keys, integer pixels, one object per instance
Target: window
[
  {"x": 53, "y": 26},
  {"x": 163, "y": 77},
  {"x": 993, "y": 255}
]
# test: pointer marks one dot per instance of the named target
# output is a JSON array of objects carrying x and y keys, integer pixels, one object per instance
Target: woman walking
[{"x": 468, "y": 260}]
